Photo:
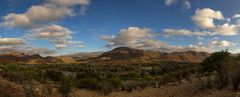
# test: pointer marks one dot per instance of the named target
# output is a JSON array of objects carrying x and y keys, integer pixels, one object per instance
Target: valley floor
[{"x": 176, "y": 89}]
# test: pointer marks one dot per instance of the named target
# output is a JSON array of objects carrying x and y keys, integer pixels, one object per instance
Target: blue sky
[{"x": 99, "y": 25}]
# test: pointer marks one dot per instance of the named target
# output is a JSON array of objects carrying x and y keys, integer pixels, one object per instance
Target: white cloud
[
  {"x": 60, "y": 46},
  {"x": 5, "y": 48},
  {"x": 151, "y": 44},
  {"x": 52, "y": 32},
  {"x": 27, "y": 50},
  {"x": 70, "y": 2},
  {"x": 198, "y": 48},
  {"x": 59, "y": 35},
  {"x": 235, "y": 51},
  {"x": 223, "y": 43},
  {"x": 36, "y": 16},
  {"x": 40, "y": 20},
  {"x": 183, "y": 32},
  {"x": 236, "y": 16},
  {"x": 204, "y": 18},
  {"x": 170, "y": 2},
  {"x": 135, "y": 37},
  {"x": 80, "y": 46},
  {"x": 129, "y": 37},
  {"x": 227, "y": 29},
  {"x": 16, "y": 20},
  {"x": 186, "y": 4},
  {"x": 11, "y": 41}
]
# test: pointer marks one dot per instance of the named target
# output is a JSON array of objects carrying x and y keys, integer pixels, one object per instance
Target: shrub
[
  {"x": 54, "y": 75},
  {"x": 10, "y": 67},
  {"x": 31, "y": 74},
  {"x": 116, "y": 82},
  {"x": 65, "y": 86},
  {"x": 89, "y": 83},
  {"x": 234, "y": 73},
  {"x": 129, "y": 86}
]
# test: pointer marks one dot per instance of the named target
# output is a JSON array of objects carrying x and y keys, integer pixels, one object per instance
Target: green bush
[
  {"x": 89, "y": 83},
  {"x": 65, "y": 85},
  {"x": 10, "y": 68},
  {"x": 54, "y": 75},
  {"x": 32, "y": 74},
  {"x": 215, "y": 61}
]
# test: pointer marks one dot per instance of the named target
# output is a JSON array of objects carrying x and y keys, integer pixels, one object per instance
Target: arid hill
[
  {"x": 125, "y": 55},
  {"x": 20, "y": 58},
  {"x": 121, "y": 55}
]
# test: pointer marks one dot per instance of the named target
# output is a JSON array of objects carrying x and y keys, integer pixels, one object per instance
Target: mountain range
[
  {"x": 125, "y": 55},
  {"x": 120, "y": 55}
]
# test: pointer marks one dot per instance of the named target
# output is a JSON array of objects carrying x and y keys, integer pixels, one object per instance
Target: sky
[{"x": 56, "y": 27}]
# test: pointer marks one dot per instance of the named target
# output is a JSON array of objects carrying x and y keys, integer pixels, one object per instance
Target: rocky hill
[{"x": 130, "y": 55}]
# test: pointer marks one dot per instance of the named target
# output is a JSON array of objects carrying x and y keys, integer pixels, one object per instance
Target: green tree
[
  {"x": 218, "y": 62},
  {"x": 215, "y": 61}
]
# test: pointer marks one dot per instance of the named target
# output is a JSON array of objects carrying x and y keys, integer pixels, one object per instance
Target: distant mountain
[
  {"x": 125, "y": 55},
  {"x": 71, "y": 58},
  {"x": 121, "y": 55},
  {"x": 21, "y": 58}
]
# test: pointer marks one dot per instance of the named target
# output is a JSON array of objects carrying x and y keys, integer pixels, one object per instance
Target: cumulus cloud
[
  {"x": 5, "y": 48},
  {"x": 55, "y": 32},
  {"x": 11, "y": 41},
  {"x": 227, "y": 29},
  {"x": 183, "y": 32},
  {"x": 143, "y": 38},
  {"x": 129, "y": 37},
  {"x": 223, "y": 43},
  {"x": 59, "y": 35},
  {"x": 36, "y": 16},
  {"x": 40, "y": 20},
  {"x": 204, "y": 18}
]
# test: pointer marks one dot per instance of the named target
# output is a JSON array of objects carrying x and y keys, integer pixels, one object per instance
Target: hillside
[
  {"x": 21, "y": 58},
  {"x": 121, "y": 55},
  {"x": 125, "y": 55}
]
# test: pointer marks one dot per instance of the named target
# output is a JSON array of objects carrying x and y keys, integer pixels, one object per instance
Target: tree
[
  {"x": 215, "y": 61},
  {"x": 218, "y": 62}
]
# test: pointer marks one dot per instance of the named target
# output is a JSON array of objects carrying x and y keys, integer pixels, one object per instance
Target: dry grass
[{"x": 185, "y": 89}]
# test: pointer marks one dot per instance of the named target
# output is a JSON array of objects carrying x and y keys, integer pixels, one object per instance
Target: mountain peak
[{"x": 123, "y": 53}]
